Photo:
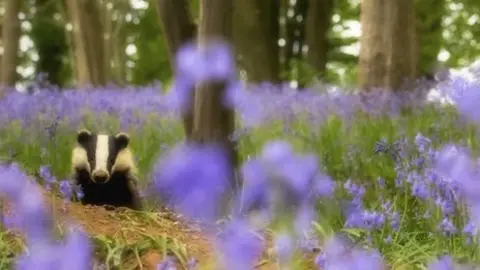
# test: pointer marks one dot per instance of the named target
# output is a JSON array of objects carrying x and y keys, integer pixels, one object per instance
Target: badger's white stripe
[{"x": 101, "y": 153}]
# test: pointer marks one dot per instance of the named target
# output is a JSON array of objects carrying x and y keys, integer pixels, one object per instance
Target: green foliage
[
  {"x": 429, "y": 16},
  {"x": 49, "y": 37},
  {"x": 151, "y": 60},
  {"x": 462, "y": 32}
]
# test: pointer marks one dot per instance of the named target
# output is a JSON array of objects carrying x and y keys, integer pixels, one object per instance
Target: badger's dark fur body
[{"x": 104, "y": 168}]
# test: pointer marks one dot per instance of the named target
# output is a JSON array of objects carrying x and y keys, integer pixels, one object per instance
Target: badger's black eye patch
[
  {"x": 122, "y": 140},
  {"x": 83, "y": 136}
]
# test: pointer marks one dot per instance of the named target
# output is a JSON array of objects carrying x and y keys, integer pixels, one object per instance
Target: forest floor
[{"x": 140, "y": 240}]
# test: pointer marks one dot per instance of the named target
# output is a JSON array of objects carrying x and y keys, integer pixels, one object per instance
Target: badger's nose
[{"x": 100, "y": 176}]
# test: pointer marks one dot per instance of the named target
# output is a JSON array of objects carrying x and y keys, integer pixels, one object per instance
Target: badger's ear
[
  {"x": 83, "y": 136},
  {"x": 122, "y": 140}
]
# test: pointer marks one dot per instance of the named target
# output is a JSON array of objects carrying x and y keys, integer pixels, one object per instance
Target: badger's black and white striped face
[{"x": 101, "y": 155}]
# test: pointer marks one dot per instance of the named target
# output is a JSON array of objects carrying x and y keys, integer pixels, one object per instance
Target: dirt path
[{"x": 140, "y": 234}]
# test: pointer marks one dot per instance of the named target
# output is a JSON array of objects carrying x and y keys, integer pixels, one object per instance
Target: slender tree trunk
[
  {"x": 400, "y": 43},
  {"x": 213, "y": 122},
  {"x": 256, "y": 34},
  {"x": 178, "y": 27},
  {"x": 88, "y": 39},
  {"x": 372, "y": 58},
  {"x": 318, "y": 23},
  {"x": 11, "y": 35}
]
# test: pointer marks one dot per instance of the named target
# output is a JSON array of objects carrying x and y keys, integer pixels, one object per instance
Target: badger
[{"x": 103, "y": 167}]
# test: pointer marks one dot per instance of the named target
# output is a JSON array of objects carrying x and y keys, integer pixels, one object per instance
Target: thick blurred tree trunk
[
  {"x": 49, "y": 36},
  {"x": 88, "y": 42},
  {"x": 400, "y": 43},
  {"x": 388, "y": 46},
  {"x": 318, "y": 23},
  {"x": 213, "y": 122},
  {"x": 11, "y": 37},
  {"x": 256, "y": 34},
  {"x": 372, "y": 58},
  {"x": 178, "y": 28}
]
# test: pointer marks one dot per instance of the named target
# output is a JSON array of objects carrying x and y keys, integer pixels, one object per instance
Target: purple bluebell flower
[
  {"x": 442, "y": 263},
  {"x": 239, "y": 246},
  {"x": 47, "y": 176},
  {"x": 447, "y": 227},
  {"x": 167, "y": 264},
  {"x": 255, "y": 188},
  {"x": 77, "y": 251},
  {"x": 194, "y": 180},
  {"x": 324, "y": 186},
  {"x": 211, "y": 62},
  {"x": 66, "y": 189},
  {"x": 284, "y": 247},
  {"x": 422, "y": 142},
  {"x": 37, "y": 224},
  {"x": 339, "y": 253},
  {"x": 192, "y": 264}
]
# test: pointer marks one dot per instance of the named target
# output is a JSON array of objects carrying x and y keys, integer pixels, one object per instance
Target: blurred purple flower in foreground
[
  {"x": 446, "y": 263},
  {"x": 239, "y": 246},
  {"x": 37, "y": 224},
  {"x": 195, "y": 64},
  {"x": 339, "y": 253},
  {"x": 456, "y": 166},
  {"x": 193, "y": 179},
  {"x": 211, "y": 62}
]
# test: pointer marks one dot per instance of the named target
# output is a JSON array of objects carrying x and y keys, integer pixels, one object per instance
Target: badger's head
[{"x": 101, "y": 155}]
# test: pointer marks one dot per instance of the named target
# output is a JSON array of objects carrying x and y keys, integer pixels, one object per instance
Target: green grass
[{"x": 345, "y": 151}]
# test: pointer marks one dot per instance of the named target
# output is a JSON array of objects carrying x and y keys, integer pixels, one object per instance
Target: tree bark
[
  {"x": 388, "y": 46},
  {"x": 88, "y": 39},
  {"x": 372, "y": 58},
  {"x": 256, "y": 34},
  {"x": 178, "y": 28},
  {"x": 11, "y": 35},
  {"x": 318, "y": 23},
  {"x": 400, "y": 43},
  {"x": 213, "y": 122}
]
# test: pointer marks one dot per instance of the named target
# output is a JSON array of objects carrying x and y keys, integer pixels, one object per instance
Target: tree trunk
[
  {"x": 388, "y": 46},
  {"x": 178, "y": 28},
  {"x": 372, "y": 58},
  {"x": 88, "y": 40},
  {"x": 400, "y": 43},
  {"x": 256, "y": 34},
  {"x": 11, "y": 38},
  {"x": 213, "y": 122},
  {"x": 318, "y": 23}
]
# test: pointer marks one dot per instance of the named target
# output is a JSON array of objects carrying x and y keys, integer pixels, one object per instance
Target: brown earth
[{"x": 141, "y": 231}]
